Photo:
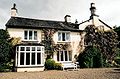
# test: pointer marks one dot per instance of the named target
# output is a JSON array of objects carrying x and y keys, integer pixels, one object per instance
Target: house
[
  {"x": 65, "y": 38},
  {"x": 94, "y": 20}
]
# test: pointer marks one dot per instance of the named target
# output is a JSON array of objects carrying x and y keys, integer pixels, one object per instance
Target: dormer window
[
  {"x": 30, "y": 35},
  {"x": 63, "y": 36}
]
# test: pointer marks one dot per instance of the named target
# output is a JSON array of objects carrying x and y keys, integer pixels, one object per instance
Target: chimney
[
  {"x": 13, "y": 11},
  {"x": 93, "y": 9},
  {"x": 67, "y": 18}
]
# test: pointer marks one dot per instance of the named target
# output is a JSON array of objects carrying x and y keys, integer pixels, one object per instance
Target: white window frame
[
  {"x": 28, "y": 36},
  {"x": 61, "y": 38},
  {"x": 68, "y": 56},
  {"x": 18, "y": 56}
]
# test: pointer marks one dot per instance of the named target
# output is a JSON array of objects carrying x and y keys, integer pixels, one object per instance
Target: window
[
  {"x": 30, "y": 35},
  {"x": 64, "y": 56},
  {"x": 64, "y": 36},
  {"x": 30, "y": 55}
]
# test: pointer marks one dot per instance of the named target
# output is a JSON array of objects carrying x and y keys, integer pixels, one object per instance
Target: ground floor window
[
  {"x": 29, "y": 55},
  {"x": 64, "y": 56}
]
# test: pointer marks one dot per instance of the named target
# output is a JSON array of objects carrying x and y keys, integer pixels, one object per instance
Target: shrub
[
  {"x": 117, "y": 60},
  {"x": 91, "y": 58},
  {"x": 57, "y": 66},
  {"x": 51, "y": 65}
]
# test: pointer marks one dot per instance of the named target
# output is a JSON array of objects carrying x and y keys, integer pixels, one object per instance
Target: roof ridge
[{"x": 36, "y": 19}]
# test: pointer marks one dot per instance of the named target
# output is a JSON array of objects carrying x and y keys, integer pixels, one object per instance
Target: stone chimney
[
  {"x": 67, "y": 18},
  {"x": 93, "y": 9},
  {"x": 13, "y": 11}
]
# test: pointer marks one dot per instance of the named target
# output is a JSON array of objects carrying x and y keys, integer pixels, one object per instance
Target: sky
[{"x": 108, "y": 10}]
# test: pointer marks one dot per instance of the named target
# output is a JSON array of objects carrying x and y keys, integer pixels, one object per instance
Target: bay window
[{"x": 29, "y": 56}]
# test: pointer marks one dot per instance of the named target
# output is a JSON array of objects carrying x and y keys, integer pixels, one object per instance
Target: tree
[
  {"x": 5, "y": 48},
  {"x": 105, "y": 41},
  {"x": 117, "y": 30},
  {"x": 90, "y": 58}
]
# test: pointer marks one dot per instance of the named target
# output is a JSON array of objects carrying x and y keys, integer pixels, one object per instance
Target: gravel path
[{"x": 101, "y": 73}]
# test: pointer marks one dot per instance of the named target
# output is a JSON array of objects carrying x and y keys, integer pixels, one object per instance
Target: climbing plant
[
  {"x": 48, "y": 41},
  {"x": 105, "y": 41}
]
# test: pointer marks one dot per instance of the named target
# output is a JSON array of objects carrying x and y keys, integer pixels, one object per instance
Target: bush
[
  {"x": 51, "y": 65},
  {"x": 117, "y": 60},
  {"x": 91, "y": 58}
]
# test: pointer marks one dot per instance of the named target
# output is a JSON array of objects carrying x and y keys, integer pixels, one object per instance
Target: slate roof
[{"x": 20, "y": 22}]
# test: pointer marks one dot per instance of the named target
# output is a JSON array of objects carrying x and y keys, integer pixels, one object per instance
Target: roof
[
  {"x": 20, "y": 22},
  {"x": 99, "y": 20}
]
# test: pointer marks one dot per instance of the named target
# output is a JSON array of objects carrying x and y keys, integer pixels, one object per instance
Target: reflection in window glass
[
  {"x": 38, "y": 58},
  {"x": 59, "y": 36},
  {"x": 33, "y": 59},
  {"x": 21, "y": 58},
  {"x": 33, "y": 48},
  {"x": 63, "y": 36},
  {"x": 27, "y": 48},
  {"x": 38, "y": 48},
  {"x": 27, "y": 58},
  {"x": 22, "y": 49},
  {"x": 58, "y": 56},
  {"x": 30, "y": 35},
  {"x": 35, "y": 35},
  {"x": 25, "y": 35},
  {"x": 66, "y": 56}
]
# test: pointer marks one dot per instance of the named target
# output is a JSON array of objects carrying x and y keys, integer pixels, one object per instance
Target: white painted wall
[
  {"x": 75, "y": 38},
  {"x": 16, "y": 32}
]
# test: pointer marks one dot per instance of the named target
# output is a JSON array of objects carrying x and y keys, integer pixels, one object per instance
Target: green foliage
[
  {"x": 5, "y": 48},
  {"x": 105, "y": 41},
  {"x": 48, "y": 41},
  {"x": 117, "y": 60},
  {"x": 51, "y": 65},
  {"x": 118, "y": 33},
  {"x": 90, "y": 58}
]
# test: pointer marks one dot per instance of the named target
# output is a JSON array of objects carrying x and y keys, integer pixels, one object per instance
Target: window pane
[
  {"x": 27, "y": 48},
  {"x": 62, "y": 56},
  {"x": 33, "y": 48},
  {"x": 27, "y": 58},
  {"x": 66, "y": 56},
  {"x": 67, "y": 36},
  {"x": 17, "y": 48},
  {"x": 70, "y": 56},
  {"x": 35, "y": 35},
  {"x": 21, "y": 58},
  {"x": 33, "y": 59},
  {"x": 63, "y": 37},
  {"x": 22, "y": 48},
  {"x": 25, "y": 35},
  {"x": 58, "y": 56},
  {"x": 38, "y": 48},
  {"x": 30, "y": 35},
  {"x": 38, "y": 58},
  {"x": 59, "y": 36}
]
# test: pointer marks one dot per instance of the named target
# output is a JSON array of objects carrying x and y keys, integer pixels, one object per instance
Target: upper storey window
[
  {"x": 64, "y": 36},
  {"x": 30, "y": 35}
]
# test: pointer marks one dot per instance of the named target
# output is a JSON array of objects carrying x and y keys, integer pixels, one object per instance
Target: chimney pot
[{"x": 67, "y": 18}]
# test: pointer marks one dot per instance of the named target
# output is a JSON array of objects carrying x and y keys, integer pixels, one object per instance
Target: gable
[{"x": 97, "y": 22}]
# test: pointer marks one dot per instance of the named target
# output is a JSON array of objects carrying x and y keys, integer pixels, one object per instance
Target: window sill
[
  {"x": 30, "y": 65},
  {"x": 63, "y": 42}
]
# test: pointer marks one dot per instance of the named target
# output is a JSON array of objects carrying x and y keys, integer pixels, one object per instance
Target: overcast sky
[{"x": 108, "y": 10}]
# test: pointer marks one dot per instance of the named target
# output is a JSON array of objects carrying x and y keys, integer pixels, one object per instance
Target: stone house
[{"x": 65, "y": 38}]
